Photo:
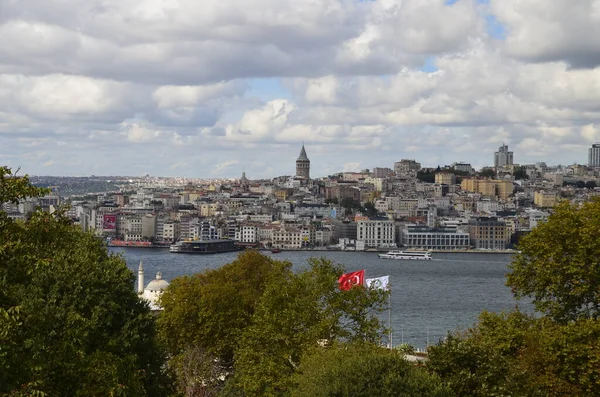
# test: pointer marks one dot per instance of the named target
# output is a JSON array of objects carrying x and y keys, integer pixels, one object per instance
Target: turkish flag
[{"x": 349, "y": 280}]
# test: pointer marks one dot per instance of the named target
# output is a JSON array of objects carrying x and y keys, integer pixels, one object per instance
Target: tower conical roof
[{"x": 303, "y": 155}]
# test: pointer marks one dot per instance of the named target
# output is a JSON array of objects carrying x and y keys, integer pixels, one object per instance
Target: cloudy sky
[{"x": 214, "y": 87}]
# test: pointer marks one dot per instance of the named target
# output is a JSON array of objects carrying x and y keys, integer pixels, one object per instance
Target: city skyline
[{"x": 215, "y": 89}]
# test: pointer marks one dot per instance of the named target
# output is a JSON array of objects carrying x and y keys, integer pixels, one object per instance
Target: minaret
[{"x": 140, "y": 279}]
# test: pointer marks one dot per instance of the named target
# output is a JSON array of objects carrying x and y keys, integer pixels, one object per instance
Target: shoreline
[{"x": 473, "y": 251}]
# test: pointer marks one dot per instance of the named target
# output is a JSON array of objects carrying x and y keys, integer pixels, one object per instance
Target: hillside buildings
[{"x": 442, "y": 208}]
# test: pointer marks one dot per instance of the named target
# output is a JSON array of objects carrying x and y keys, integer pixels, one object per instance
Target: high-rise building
[
  {"x": 594, "y": 155},
  {"x": 503, "y": 157},
  {"x": 303, "y": 165}
]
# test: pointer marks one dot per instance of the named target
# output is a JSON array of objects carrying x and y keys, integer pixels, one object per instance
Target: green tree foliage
[
  {"x": 487, "y": 172},
  {"x": 590, "y": 184},
  {"x": 254, "y": 318},
  {"x": 369, "y": 209},
  {"x": 70, "y": 321},
  {"x": 580, "y": 184},
  {"x": 558, "y": 266},
  {"x": 363, "y": 370},
  {"x": 520, "y": 173},
  {"x": 426, "y": 176},
  {"x": 350, "y": 204},
  {"x": 209, "y": 310},
  {"x": 518, "y": 355}
]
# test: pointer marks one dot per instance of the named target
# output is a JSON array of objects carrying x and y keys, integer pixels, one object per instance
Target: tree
[
  {"x": 520, "y": 173},
  {"x": 590, "y": 184},
  {"x": 207, "y": 312},
  {"x": 557, "y": 266},
  {"x": 255, "y": 317},
  {"x": 70, "y": 321},
  {"x": 515, "y": 354},
  {"x": 370, "y": 209},
  {"x": 350, "y": 204},
  {"x": 296, "y": 313},
  {"x": 487, "y": 172},
  {"x": 580, "y": 184},
  {"x": 426, "y": 176},
  {"x": 363, "y": 370}
]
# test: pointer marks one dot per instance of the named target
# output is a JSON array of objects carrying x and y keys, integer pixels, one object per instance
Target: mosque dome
[{"x": 158, "y": 284}]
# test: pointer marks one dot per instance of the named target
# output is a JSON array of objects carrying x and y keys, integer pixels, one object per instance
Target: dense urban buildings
[{"x": 444, "y": 208}]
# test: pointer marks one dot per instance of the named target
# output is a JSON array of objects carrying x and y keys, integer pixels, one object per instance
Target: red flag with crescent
[{"x": 349, "y": 280}]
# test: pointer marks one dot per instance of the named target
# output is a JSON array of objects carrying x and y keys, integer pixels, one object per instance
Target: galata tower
[{"x": 303, "y": 164}]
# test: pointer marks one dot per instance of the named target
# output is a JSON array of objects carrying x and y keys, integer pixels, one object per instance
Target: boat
[
  {"x": 275, "y": 250},
  {"x": 410, "y": 255},
  {"x": 204, "y": 246}
]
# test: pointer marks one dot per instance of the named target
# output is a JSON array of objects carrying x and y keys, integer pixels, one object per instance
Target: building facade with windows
[
  {"x": 441, "y": 238},
  {"x": 489, "y": 233},
  {"x": 376, "y": 233}
]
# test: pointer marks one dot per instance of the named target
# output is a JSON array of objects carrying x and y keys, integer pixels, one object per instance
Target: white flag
[{"x": 378, "y": 283}]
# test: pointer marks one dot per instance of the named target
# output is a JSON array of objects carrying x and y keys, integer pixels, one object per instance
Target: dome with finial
[{"x": 158, "y": 284}]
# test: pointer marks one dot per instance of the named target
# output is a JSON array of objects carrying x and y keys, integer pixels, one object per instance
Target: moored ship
[
  {"x": 204, "y": 246},
  {"x": 407, "y": 255}
]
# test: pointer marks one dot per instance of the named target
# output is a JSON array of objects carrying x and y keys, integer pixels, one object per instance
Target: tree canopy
[
  {"x": 70, "y": 321},
  {"x": 254, "y": 317},
  {"x": 555, "y": 353},
  {"x": 558, "y": 266},
  {"x": 363, "y": 370},
  {"x": 515, "y": 354}
]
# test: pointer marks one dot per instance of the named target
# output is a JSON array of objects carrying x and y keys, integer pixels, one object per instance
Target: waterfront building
[
  {"x": 440, "y": 238},
  {"x": 376, "y": 233},
  {"x": 344, "y": 230},
  {"x": 503, "y": 158},
  {"x": 489, "y": 233},
  {"x": 303, "y": 165},
  {"x": 594, "y": 155},
  {"x": 247, "y": 234}
]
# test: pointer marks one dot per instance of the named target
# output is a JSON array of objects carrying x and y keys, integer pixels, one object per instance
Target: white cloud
[
  {"x": 557, "y": 30},
  {"x": 118, "y": 82}
]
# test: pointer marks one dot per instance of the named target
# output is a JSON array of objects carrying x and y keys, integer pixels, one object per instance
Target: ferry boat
[
  {"x": 410, "y": 255},
  {"x": 275, "y": 250},
  {"x": 204, "y": 246}
]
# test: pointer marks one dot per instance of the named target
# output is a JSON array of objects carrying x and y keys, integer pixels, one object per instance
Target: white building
[
  {"x": 376, "y": 233},
  {"x": 247, "y": 234},
  {"x": 435, "y": 238}
]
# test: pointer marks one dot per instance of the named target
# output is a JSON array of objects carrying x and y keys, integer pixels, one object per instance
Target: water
[{"x": 429, "y": 298}]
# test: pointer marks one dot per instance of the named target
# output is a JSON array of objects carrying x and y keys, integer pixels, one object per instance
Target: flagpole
[{"x": 390, "y": 316}]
